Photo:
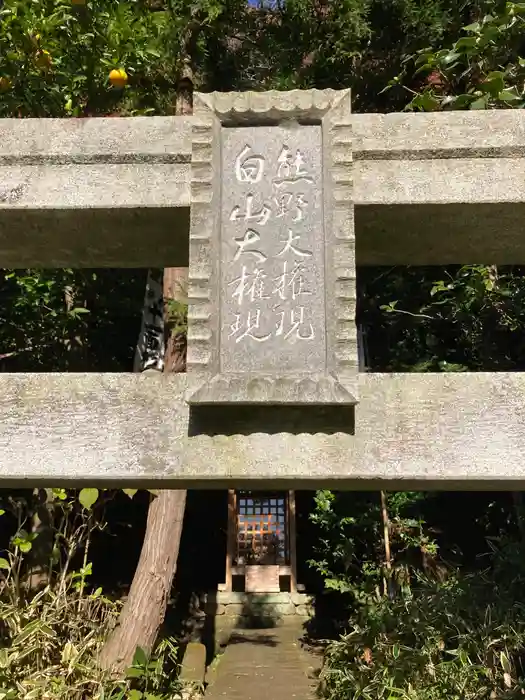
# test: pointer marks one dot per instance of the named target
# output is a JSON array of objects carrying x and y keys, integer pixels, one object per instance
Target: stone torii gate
[{"x": 268, "y": 188}]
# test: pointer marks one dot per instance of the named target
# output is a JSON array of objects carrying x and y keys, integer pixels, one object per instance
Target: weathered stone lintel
[
  {"x": 122, "y": 139},
  {"x": 73, "y": 186},
  {"x": 102, "y": 237},
  {"x": 494, "y": 133},
  {"x": 441, "y": 234},
  {"x": 147, "y": 184},
  {"x": 426, "y": 431},
  {"x": 456, "y": 134},
  {"x": 428, "y": 188},
  {"x": 465, "y": 180}
]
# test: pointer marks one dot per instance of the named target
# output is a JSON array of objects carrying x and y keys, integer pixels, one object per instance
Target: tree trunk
[
  {"x": 145, "y": 608},
  {"x": 39, "y": 558},
  {"x": 387, "y": 575}
]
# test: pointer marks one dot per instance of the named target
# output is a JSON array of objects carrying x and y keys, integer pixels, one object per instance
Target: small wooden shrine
[{"x": 261, "y": 552}]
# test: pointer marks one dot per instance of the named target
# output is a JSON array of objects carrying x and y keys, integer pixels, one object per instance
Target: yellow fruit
[
  {"x": 43, "y": 59},
  {"x": 5, "y": 84},
  {"x": 118, "y": 77}
]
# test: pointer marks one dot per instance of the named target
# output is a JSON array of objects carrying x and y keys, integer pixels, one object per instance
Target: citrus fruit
[
  {"x": 118, "y": 77},
  {"x": 43, "y": 59}
]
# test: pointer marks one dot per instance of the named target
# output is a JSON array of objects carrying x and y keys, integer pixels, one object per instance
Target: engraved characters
[{"x": 271, "y": 278}]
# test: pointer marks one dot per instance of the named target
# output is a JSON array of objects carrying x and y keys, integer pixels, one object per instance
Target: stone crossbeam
[
  {"x": 408, "y": 431},
  {"x": 271, "y": 200},
  {"x": 116, "y": 192}
]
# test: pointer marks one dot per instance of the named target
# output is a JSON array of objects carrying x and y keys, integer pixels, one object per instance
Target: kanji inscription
[
  {"x": 272, "y": 251},
  {"x": 271, "y": 314}
]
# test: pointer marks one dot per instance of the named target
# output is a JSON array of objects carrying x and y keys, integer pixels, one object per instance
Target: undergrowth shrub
[
  {"x": 52, "y": 623},
  {"x": 458, "y": 639}
]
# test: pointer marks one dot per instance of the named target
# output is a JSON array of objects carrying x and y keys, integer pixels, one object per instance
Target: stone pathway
[{"x": 265, "y": 664}]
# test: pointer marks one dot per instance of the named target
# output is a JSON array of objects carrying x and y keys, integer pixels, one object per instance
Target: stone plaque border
[{"x": 213, "y": 111}]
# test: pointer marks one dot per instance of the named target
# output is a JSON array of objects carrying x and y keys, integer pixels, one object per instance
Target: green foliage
[
  {"x": 177, "y": 316},
  {"x": 481, "y": 69},
  {"x": 350, "y": 551},
  {"x": 410, "y": 637},
  {"x": 44, "y": 318},
  {"x": 88, "y": 497},
  {"x": 461, "y": 639},
  {"x": 58, "y": 320},
  {"x": 55, "y": 57},
  {"x": 50, "y": 636},
  {"x": 444, "y": 319}
]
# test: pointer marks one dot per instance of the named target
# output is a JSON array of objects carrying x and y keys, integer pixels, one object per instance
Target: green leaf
[
  {"x": 457, "y": 101},
  {"x": 480, "y": 103},
  {"x": 140, "y": 657},
  {"x": 25, "y": 547},
  {"x": 47, "y": 631},
  {"x": 463, "y": 657},
  {"x": 69, "y": 653},
  {"x": 508, "y": 96},
  {"x": 26, "y": 632},
  {"x": 130, "y": 492},
  {"x": 451, "y": 57},
  {"x": 426, "y": 102},
  {"x": 467, "y": 42},
  {"x": 87, "y": 497},
  {"x": 505, "y": 663},
  {"x": 134, "y": 672},
  {"x": 493, "y": 84},
  {"x": 395, "y": 651},
  {"x": 135, "y": 695},
  {"x": 4, "y": 564}
]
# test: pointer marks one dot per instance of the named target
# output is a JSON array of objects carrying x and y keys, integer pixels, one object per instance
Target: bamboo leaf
[
  {"x": 26, "y": 632},
  {"x": 88, "y": 497},
  {"x": 505, "y": 663}
]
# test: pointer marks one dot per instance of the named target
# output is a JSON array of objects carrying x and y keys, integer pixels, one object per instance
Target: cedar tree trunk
[{"x": 145, "y": 608}]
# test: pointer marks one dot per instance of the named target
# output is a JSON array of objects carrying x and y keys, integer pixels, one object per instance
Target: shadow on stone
[
  {"x": 258, "y": 613},
  {"x": 248, "y": 419},
  {"x": 209, "y": 632},
  {"x": 262, "y": 639},
  {"x": 102, "y": 237}
]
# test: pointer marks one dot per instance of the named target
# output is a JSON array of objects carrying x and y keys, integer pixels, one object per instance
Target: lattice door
[{"x": 261, "y": 529}]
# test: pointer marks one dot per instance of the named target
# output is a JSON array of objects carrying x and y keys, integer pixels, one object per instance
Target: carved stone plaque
[
  {"x": 272, "y": 251},
  {"x": 272, "y": 264}
]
